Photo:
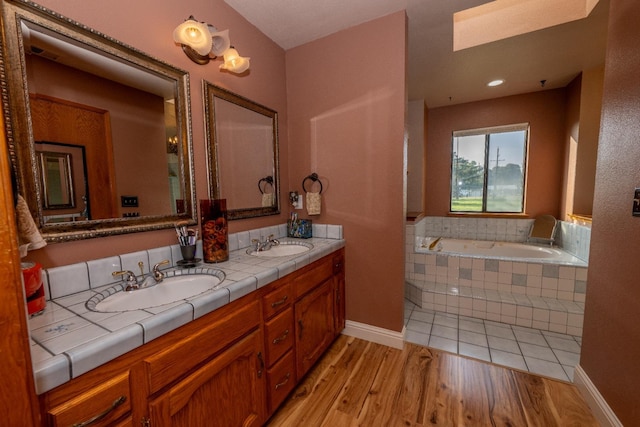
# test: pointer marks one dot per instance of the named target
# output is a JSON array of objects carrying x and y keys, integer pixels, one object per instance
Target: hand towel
[
  {"x": 314, "y": 203},
  {"x": 267, "y": 200},
  {"x": 29, "y": 237}
]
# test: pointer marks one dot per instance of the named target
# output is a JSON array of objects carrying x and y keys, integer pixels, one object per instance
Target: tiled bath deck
[{"x": 544, "y": 353}]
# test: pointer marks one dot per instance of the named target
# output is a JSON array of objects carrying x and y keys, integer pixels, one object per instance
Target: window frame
[{"x": 486, "y": 131}]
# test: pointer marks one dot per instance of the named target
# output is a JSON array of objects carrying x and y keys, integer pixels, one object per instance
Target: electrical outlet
[
  {"x": 129, "y": 201},
  {"x": 636, "y": 203},
  {"x": 298, "y": 203}
]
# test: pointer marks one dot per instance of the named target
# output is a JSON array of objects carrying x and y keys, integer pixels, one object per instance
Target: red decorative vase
[{"x": 215, "y": 230}]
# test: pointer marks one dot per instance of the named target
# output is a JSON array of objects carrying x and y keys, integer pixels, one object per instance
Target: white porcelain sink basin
[
  {"x": 285, "y": 248},
  {"x": 171, "y": 289}
]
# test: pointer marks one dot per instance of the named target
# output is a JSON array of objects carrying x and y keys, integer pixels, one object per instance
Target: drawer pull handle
[
  {"x": 119, "y": 401},
  {"x": 278, "y": 303},
  {"x": 286, "y": 380},
  {"x": 281, "y": 337}
]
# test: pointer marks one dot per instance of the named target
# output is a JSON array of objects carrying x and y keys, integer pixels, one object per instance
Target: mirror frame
[
  {"x": 211, "y": 92},
  {"x": 19, "y": 133}
]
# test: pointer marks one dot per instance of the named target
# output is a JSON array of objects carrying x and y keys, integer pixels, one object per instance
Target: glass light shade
[
  {"x": 194, "y": 34},
  {"x": 234, "y": 62},
  {"x": 221, "y": 42}
]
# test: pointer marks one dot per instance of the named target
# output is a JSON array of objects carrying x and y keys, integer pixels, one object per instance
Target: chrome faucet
[
  {"x": 265, "y": 245},
  {"x": 131, "y": 279},
  {"x": 157, "y": 274}
]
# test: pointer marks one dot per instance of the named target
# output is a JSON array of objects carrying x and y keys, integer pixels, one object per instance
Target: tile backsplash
[{"x": 72, "y": 279}]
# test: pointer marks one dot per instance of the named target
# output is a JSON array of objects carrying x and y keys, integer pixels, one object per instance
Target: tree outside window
[{"x": 488, "y": 169}]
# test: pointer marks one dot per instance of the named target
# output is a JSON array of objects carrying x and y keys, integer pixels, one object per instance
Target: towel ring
[
  {"x": 313, "y": 177},
  {"x": 268, "y": 180}
]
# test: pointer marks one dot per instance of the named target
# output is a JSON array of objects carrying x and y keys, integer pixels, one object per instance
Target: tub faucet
[{"x": 131, "y": 279}]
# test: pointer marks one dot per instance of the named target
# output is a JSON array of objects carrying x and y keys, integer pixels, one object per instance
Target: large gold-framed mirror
[
  {"x": 71, "y": 85},
  {"x": 242, "y": 147}
]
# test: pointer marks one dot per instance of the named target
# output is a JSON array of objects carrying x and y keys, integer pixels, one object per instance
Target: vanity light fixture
[
  {"x": 496, "y": 82},
  {"x": 202, "y": 42}
]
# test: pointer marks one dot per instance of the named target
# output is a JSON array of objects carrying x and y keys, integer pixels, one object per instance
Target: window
[{"x": 488, "y": 169}]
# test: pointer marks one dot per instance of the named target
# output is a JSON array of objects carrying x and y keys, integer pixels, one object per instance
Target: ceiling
[{"x": 437, "y": 74}]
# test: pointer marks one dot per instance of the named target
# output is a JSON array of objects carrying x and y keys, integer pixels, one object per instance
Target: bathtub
[{"x": 511, "y": 251}]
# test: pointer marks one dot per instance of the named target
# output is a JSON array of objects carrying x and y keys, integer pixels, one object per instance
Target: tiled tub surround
[
  {"x": 68, "y": 339},
  {"x": 540, "y": 295}
]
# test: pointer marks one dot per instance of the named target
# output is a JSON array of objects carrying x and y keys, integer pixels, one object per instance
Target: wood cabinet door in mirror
[{"x": 229, "y": 390}]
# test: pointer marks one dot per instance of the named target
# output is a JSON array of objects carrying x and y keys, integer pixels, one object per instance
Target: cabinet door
[
  {"x": 229, "y": 390},
  {"x": 339, "y": 283},
  {"x": 340, "y": 317},
  {"x": 314, "y": 326}
]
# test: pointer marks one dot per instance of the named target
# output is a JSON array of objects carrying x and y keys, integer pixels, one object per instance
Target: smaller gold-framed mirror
[
  {"x": 242, "y": 148},
  {"x": 57, "y": 180}
]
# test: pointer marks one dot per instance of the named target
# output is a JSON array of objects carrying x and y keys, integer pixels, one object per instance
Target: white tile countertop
[{"x": 68, "y": 339}]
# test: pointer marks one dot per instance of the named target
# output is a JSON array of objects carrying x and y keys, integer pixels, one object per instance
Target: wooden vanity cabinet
[
  {"x": 340, "y": 315},
  {"x": 233, "y": 366}
]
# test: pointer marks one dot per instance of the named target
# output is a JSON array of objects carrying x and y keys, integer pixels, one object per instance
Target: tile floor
[{"x": 541, "y": 352}]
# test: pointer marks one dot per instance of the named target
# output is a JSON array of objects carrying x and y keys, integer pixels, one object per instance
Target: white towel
[
  {"x": 267, "y": 200},
  {"x": 314, "y": 203},
  {"x": 29, "y": 237}
]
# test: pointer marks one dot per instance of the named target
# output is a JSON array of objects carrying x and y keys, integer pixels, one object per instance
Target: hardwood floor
[{"x": 360, "y": 383}]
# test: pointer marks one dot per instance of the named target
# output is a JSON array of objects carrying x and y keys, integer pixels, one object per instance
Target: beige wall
[
  {"x": 146, "y": 26},
  {"x": 590, "y": 109},
  {"x": 346, "y": 123},
  {"x": 415, "y": 156},
  {"x": 572, "y": 131},
  {"x": 544, "y": 111},
  {"x": 611, "y": 338}
]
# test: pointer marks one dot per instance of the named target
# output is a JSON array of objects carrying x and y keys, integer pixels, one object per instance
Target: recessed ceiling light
[{"x": 496, "y": 82}]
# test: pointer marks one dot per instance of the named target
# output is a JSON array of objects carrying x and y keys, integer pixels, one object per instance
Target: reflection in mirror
[
  {"x": 242, "y": 143},
  {"x": 127, "y": 112},
  {"x": 57, "y": 181},
  {"x": 62, "y": 172}
]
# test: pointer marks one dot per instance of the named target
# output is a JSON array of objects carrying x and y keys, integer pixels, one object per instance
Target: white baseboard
[
  {"x": 375, "y": 334},
  {"x": 601, "y": 410}
]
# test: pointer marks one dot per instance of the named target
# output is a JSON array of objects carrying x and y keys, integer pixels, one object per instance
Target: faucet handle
[
  {"x": 157, "y": 274},
  {"x": 273, "y": 241},
  {"x": 131, "y": 279}
]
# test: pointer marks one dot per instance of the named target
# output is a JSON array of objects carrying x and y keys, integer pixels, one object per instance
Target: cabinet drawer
[
  {"x": 279, "y": 333},
  {"x": 172, "y": 363},
  {"x": 281, "y": 379},
  {"x": 313, "y": 277},
  {"x": 104, "y": 404},
  {"x": 277, "y": 300}
]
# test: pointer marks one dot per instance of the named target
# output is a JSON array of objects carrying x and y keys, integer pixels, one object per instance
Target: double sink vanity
[
  {"x": 210, "y": 344},
  {"x": 228, "y": 355}
]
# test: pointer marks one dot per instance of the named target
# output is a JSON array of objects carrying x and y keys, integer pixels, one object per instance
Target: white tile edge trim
[
  {"x": 375, "y": 334},
  {"x": 601, "y": 410}
]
